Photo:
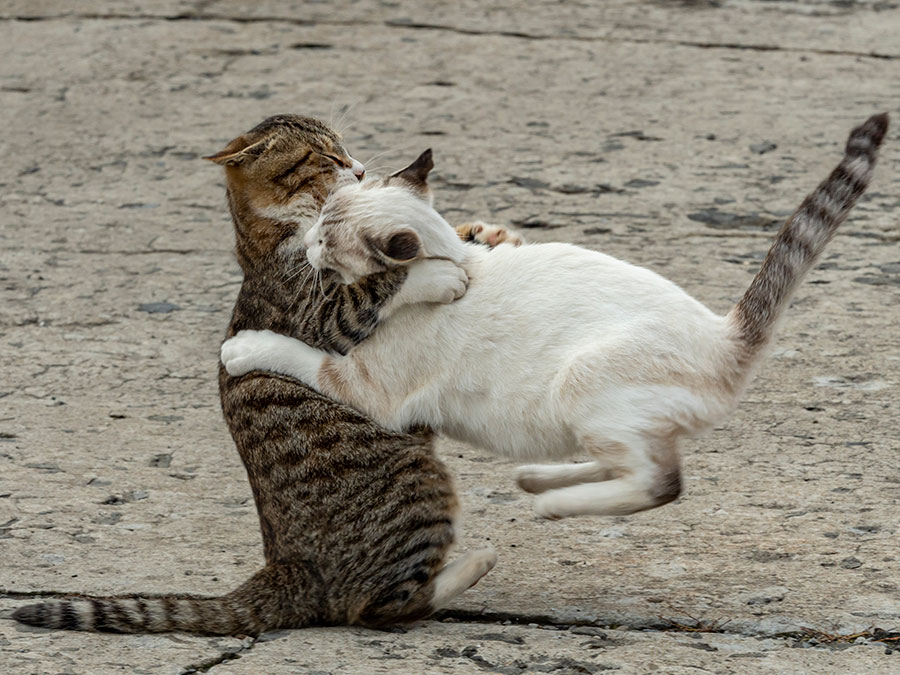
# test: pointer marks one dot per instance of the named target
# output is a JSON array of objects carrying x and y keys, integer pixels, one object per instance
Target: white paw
[
  {"x": 251, "y": 350},
  {"x": 551, "y": 507},
  {"x": 457, "y": 284},
  {"x": 483, "y": 561},
  {"x": 447, "y": 281}
]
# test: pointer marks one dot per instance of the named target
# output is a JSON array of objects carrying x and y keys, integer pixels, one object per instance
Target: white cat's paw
[
  {"x": 446, "y": 281},
  {"x": 250, "y": 350},
  {"x": 490, "y": 235},
  {"x": 551, "y": 507},
  {"x": 457, "y": 284}
]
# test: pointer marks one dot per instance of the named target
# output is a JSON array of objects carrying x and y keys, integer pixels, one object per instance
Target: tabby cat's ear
[
  {"x": 240, "y": 151},
  {"x": 416, "y": 174},
  {"x": 401, "y": 247}
]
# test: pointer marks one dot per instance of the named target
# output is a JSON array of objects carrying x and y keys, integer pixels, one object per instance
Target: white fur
[
  {"x": 554, "y": 350},
  {"x": 461, "y": 575}
]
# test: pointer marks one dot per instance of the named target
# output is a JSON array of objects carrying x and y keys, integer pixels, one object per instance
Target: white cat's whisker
[
  {"x": 295, "y": 271},
  {"x": 319, "y": 275},
  {"x": 302, "y": 285}
]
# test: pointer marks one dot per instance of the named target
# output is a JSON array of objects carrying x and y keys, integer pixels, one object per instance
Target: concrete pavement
[{"x": 677, "y": 135}]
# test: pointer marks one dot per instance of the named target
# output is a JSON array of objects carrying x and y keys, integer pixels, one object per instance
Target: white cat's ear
[
  {"x": 399, "y": 247},
  {"x": 240, "y": 151},
  {"x": 415, "y": 175}
]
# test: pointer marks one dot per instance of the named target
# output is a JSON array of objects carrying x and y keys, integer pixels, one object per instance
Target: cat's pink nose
[{"x": 358, "y": 170}]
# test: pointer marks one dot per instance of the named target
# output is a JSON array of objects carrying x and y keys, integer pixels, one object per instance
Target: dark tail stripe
[
  {"x": 68, "y": 617},
  {"x": 100, "y": 622},
  {"x": 170, "y": 609}
]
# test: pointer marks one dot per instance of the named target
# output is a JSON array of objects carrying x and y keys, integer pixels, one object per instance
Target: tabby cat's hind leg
[
  {"x": 462, "y": 574},
  {"x": 538, "y": 478}
]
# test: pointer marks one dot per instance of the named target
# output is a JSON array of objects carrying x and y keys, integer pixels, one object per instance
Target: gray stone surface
[{"x": 642, "y": 128}]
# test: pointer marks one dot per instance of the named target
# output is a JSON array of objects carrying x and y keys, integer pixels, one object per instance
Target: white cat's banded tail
[{"x": 804, "y": 236}]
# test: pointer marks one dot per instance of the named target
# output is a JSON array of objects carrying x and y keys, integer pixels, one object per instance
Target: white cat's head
[{"x": 381, "y": 223}]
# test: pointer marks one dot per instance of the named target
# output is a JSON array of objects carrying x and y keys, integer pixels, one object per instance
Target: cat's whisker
[
  {"x": 317, "y": 279},
  {"x": 302, "y": 287},
  {"x": 309, "y": 281},
  {"x": 339, "y": 124},
  {"x": 379, "y": 155},
  {"x": 297, "y": 270},
  {"x": 309, "y": 273},
  {"x": 350, "y": 127},
  {"x": 376, "y": 170},
  {"x": 292, "y": 270}
]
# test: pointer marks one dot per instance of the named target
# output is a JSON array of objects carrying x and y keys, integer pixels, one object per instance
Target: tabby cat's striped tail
[
  {"x": 804, "y": 236},
  {"x": 256, "y": 606}
]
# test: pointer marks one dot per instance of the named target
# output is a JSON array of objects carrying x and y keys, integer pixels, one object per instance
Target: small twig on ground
[
  {"x": 700, "y": 625},
  {"x": 872, "y": 634}
]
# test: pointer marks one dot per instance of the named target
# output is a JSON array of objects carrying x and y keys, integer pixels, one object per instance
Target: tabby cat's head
[
  {"x": 369, "y": 227},
  {"x": 278, "y": 176}
]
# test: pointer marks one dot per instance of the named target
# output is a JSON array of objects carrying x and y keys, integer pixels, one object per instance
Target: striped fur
[
  {"x": 247, "y": 610},
  {"x": 356, "y": 521},
  {"x": 804, "y": 236}
]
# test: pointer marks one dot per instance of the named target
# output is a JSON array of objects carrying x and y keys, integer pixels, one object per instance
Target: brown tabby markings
[{"x": 356, "y": 521}]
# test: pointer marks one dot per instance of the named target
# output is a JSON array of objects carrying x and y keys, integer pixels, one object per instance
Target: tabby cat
[
  {"x": 555, "y": 349},
  {"x": 356, "y": 520}
]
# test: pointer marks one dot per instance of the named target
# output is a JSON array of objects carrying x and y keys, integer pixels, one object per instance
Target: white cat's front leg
[
  {"x": 265, "y": 350},
  {"x": 429, "y": 280}
]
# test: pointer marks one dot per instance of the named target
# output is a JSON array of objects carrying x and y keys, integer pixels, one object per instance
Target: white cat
[{"x": 554, "y": 350}]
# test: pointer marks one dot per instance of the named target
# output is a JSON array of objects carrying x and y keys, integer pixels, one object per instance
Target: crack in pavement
[
  {"x": 227, "y": 655},
  {"x": 416, "y": 25}
]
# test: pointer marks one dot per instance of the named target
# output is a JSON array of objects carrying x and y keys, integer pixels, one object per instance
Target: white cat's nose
[
  {"x": 309, "y": 239},
  {"x": 359, "y": 170}
]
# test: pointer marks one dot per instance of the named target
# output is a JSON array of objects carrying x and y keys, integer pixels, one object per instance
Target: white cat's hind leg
[
  {"x": 538, "y": 478},
  {"x": 461, "y": 575},
  {"x": 648, "y": 476}
]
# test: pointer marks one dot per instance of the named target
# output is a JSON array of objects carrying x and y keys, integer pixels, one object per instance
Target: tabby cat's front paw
[{"x": 491, "y": 235}]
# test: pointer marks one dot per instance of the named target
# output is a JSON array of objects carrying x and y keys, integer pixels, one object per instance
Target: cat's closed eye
[{"x": 336, "y": 160}]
